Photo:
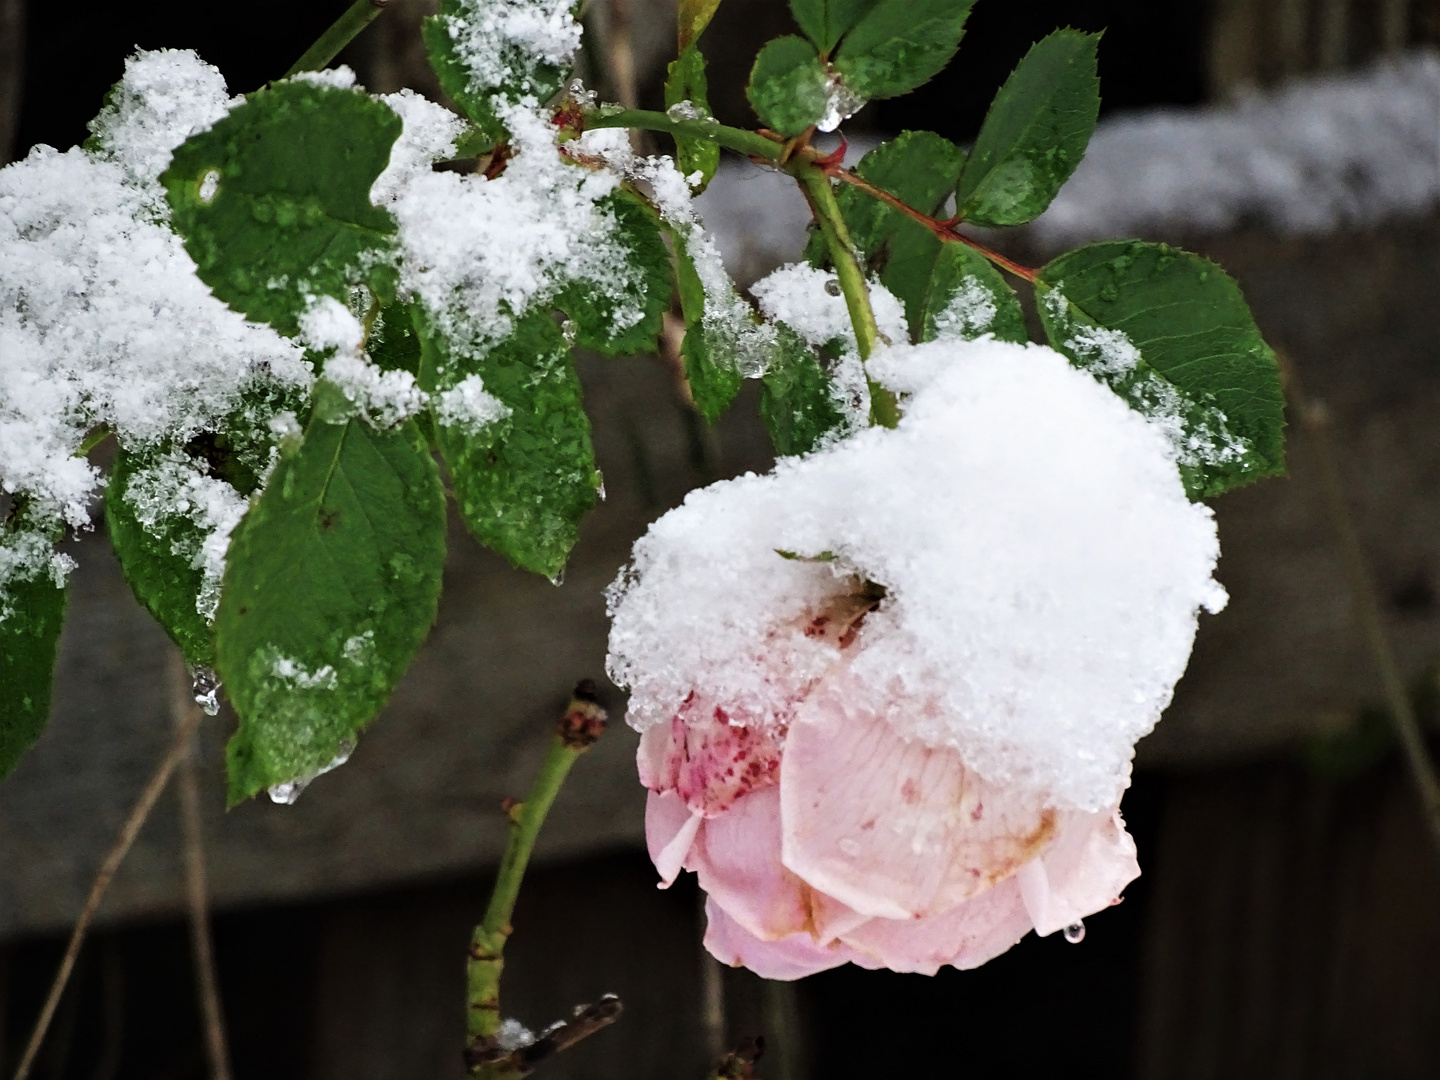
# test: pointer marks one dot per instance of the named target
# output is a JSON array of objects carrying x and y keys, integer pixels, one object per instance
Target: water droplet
[
  {"x": 1075, "y": 932},
  {"x": 291, "y": 790},
  {"x": 205, "y": 685},
  {"x": 559, "y": 578},
  {"x": 850, "y": 846},
  {"x": 832, "y": 287}
]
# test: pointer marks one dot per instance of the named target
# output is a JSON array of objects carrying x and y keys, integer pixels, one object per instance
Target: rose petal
[
  {"x": 737, "y": 857},
  {"x": 791, "y": 957},
  {"x": 1082, "y": 872},
  {"x": 706, "y": 758},
  {"x": 895, "y": 829},
  {"x": 978, "y": 930},
  {"x": 670, "y": 830}
]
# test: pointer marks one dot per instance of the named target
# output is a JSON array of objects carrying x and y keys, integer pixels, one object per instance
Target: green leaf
[
  {"x": 629, "y": 323},
  {"x": 507, "y": 70},
  {"x": 1035, "y": 132},
  {"x": 331, "y": 585},
  {"x": 394, "y": 343},
  {"x": 795, "y": 398},
  {"x": 686, "y": 82},
  {"x": 710, "y": 368},
  {"x": 967, "y": 298},
  {"x": 900, "y": 44},
  {"x": 826, "y": 21},
  {"x": 160, "y": 565},
  {"x": 29, "y": 634},
  {"x": 694, "y": 16},
  {"x": 789, "y": 87},
  {"x": 524, "y": 482},
  {"x": 273, "y": 202},
  {"x": 1171, "y": 333}
]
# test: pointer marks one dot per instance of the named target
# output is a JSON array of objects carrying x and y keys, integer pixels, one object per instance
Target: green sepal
[
  {"x": 968, "y": 298},
  {"x": 289, "y": 216},
  {"x": 796, "y": 402},
  {"x": 159, "y": 566},
  {"x": 899, "y": 45},
  {"x": 1171, "y": 333},
  {"x": 825, "y": 22},
  {"x": 789, "y": 86},
  {"x": 330, "y": 587},
  {"x": 29, "y": 637},
  {"x": 685, "y": 81},
  {"x": 592, "y": 309},
  {"x": 522, "y": 483},
  {"x": 1035, "y": 133},
  {"x": 524, "y": 76}
]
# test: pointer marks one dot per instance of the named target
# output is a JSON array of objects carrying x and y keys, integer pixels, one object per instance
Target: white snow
[
  {"x": 468, "y": 406},
  {"x": 970, "y": 313},
  {"x": 102, "y": 318},
  {"x": 429, "y": 134},
  {"x": 503, "y": 43},
  {"x": 479, "y": 253},
  {"x": 175, "y": 486},
  {"x": 1042, "y": 564},
  {"x": 341, "y": 78}
]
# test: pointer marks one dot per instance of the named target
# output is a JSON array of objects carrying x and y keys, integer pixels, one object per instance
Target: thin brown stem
[
  {"x": 945, "y": 230},
  {"x": 1315, "y": 419},
  {"x": 207, "y": 982},
  {"x": 131, "y": 829}
]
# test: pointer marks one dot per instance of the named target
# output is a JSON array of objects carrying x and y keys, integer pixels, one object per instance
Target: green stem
[
  {"x": 342, "y": 31},
  {"x": 749, "y": 143},
  {"x": 577, "y": 731},
  {"x": 884, "y": 410},
  {"x": 93, "y": 439}
]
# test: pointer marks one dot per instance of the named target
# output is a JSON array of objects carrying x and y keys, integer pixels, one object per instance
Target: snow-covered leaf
[
  {"x": 489, "y": 52},
  {"x": 29, "y": 635},
  {"x": 331, "y": 585},
  {"x": 789, "y": 86},
  {"x": 1035, "y": 132},
  {"x": 622, "y": 316},
  {"x": 160, "y": 565},
  {"x": 713, "y": 376},
  {"x": 1170, "y": 332},
  {"x": 900, "y": 44},
  {"x": 797, "y": 400},
  {"x": 273, "y": 202},
  {"x": 524, "y": 479},
  {"x": 967, "y": 298}
]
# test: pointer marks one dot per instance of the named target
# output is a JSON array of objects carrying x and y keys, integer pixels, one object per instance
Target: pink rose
[
  {"x": 839, "y": 841},
  {"x": 889, "y": 693}
]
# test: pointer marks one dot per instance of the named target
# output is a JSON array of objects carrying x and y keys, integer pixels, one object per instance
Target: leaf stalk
[{"x": 342, "y": 31}]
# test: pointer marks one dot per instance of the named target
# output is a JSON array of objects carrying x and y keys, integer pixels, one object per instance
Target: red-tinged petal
[
  {"x": 788, "y": 958},
  {"x": 707, "y": 758},
  {"x": 1083, "y": 872},
  {"x": 737, "y": 856},
  {"x": 895, "y": 829},
  {"x": 967, "y": 936},
  {"x": 670, "y": 830}
]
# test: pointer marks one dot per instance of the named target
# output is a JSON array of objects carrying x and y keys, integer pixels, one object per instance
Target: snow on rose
[{"x": 889, "y": 693}]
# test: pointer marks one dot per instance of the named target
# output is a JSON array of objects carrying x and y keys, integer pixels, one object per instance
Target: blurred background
[{"x": 1288, "y": 920}]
